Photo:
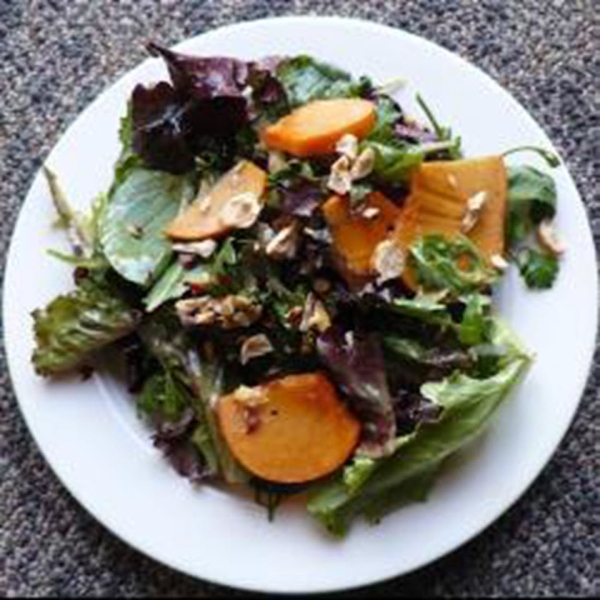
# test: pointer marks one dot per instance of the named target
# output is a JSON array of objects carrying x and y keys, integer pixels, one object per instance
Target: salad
[{"x": 297, "y": 278}]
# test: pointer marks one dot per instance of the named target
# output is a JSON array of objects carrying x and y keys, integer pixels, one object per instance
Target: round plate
[{"x": 89, "y": 433}]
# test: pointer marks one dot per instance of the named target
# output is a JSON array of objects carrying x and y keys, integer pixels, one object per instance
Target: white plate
[{"x": 89, "y": 433}]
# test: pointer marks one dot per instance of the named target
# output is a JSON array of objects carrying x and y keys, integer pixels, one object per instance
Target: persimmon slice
[
  {"x": 207, "y": 216},
  {"x": 315, "y": 128},
  {"x": 291, "y": 430},
  {"x": 438, "y": 201},
  {"x": 356, "y": 234}
]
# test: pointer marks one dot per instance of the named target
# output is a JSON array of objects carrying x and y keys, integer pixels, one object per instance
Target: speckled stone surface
[{"x": 56, "y": 56}]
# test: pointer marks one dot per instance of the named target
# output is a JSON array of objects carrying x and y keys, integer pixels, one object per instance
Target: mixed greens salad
[{"x": 298, "y": 279}]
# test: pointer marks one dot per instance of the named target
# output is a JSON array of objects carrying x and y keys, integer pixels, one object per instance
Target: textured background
[{"x": 56, "y": 56}]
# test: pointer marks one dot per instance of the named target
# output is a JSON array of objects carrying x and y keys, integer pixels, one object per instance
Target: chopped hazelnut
[
  {"x": 548, "y": 238},
  {"x": 228, "y": 312},
  {"x": 340, "y": 180},
  {"x": 315, "y": 316},
  {"x": 499, "y": 262},
  {"x": 371, "y": 212},
  {"x": 251, "y": 396},
  {"x": 204, "y": 249},
  {"x": 363, "y": 165},
  {"x": 276, "y": 161},
  {"x": 388, "y": 260},
  {"x": 347, "y": 145},
  {"x": 255, "y": 346},
  {"x": 241, "y": 211},
  {"x": 285, "y": 243},
  {"x": 472, "y": 211}
]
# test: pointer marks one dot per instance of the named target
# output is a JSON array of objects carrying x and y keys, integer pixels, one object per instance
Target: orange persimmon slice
[
  {"x": 296, "y": 429},
  {"x": 440, "y": 192},
  {"x": 315, "y": 127},
  {"x": 204, "y": 218},
  {"x": 355, "y": 235}
]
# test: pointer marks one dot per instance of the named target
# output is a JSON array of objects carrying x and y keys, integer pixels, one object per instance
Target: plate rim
[{"x": 447, "y": 548}]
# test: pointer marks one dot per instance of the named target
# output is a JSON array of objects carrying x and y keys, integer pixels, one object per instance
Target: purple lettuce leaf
[
  {"x": 205, "y": 103},
  {"x": 161, "y": 126},
  {"x": 203, "y": 77},
  {"x": 268, "y": 94},
  {"x": 174, "y": 439},
  {"x": 413, "y": 133},
  {"x": 301, "y": 198},
  {"x": 357, "y": 363},
  {"x": 411, "y": 408}
]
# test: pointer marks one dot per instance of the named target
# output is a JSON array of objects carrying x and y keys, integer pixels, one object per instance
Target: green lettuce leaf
[
  {"x": 414, "y": 489},
  {"x": 468, "y": 405},
  {"x": 132, "y": 226},
  {"x": 305, "y": 79},
  {"x": 73, "y": 326}
]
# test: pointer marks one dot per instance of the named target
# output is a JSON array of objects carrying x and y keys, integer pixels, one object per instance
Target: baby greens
[{"x": 302, "y": 274}]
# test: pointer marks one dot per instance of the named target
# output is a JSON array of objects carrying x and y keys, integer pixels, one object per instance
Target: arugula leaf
[
  {"x": 395, "y": 160},
  {"x": 455, "y": 266},
  {"x": 531, "y": 199},
  {"x": 131, "y": 228},
  {"x": 388, "y": 114},
  {"x": 280, "y": 298},
  {"x": 442, "y": 133},
  {"x": 551, "y": 159},
  {"x": 396, "y": 157},
  {"x": 468, "y": 405},
  {"x": 305, "y": 79},
  {"x": 538, "y": 269},
  {"x": 73, "y": 326}
]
